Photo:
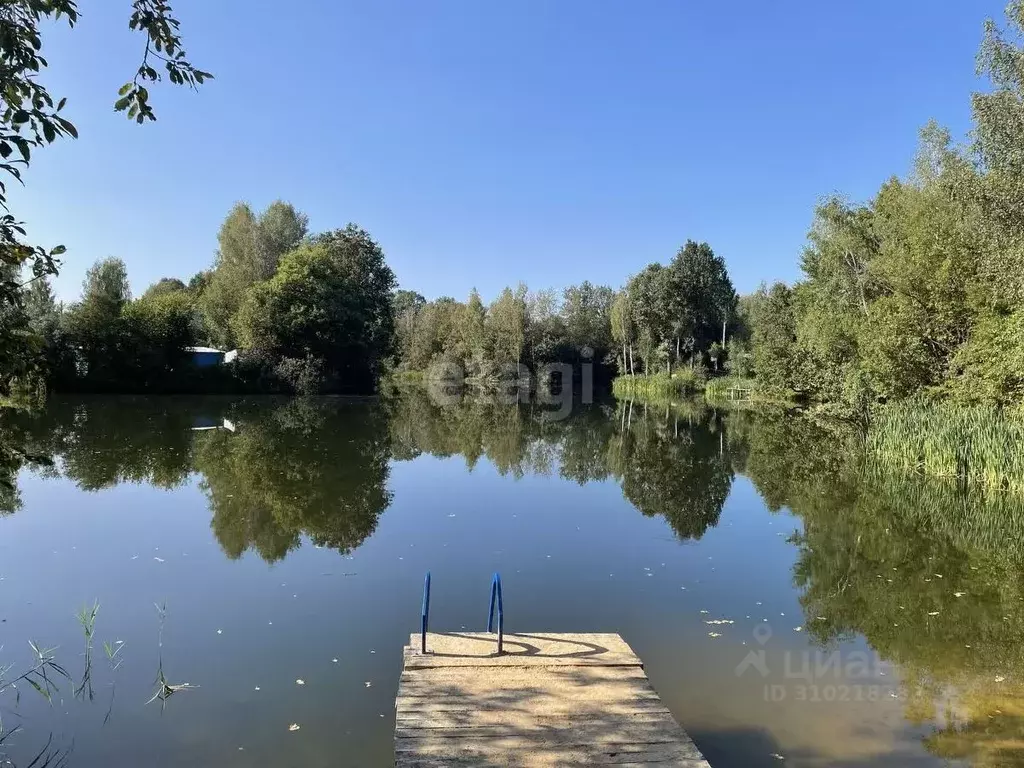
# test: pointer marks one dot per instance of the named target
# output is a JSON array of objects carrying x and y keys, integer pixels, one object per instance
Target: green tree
[
  {"x": 586, "y": 310},
  {"x": 250, "y": 247},
  {"x": 648, "y": 294},
  {"x": 699, "y": 298},
  {"x": 157, "y": 330},
  {"x": 95, "y": 327},
  {"x": 506, "y": 321},
  {"x": 46, "y": 321},
  {"x": 329, "y": 302},
  {"x": 163, "y": 286},
  {"x": 623, "y": 329},
  {"x": 469, "y": 336},
  {"x": 547, "y": 338},
  {"x": 999, "y": 153},
  {"x": 774, "y": 339},
  {"x": 199, "y": 282},
  {"x": 407, "y": 306}
]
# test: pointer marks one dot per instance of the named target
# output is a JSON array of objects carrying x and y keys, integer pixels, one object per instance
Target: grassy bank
[
  {"x": 977, "y": 445},
  {"x": 660, "y": 386}
]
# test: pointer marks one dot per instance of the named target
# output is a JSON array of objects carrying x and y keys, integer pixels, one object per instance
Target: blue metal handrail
[
  {"x": 496, "y": 594},
  {"x": 425, "y": 613}
]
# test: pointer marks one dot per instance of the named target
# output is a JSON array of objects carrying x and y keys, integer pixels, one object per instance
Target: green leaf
[
  {"x": 26, "y": 153},
  {"x": 61, "y": 103},
  {"x": 59, "y": 250},
  {"x": 48, "y": 133},
  {"x": 5, "y": 149},
  {"x": 68, "y": 126},
  {"x": 122, "y": 104},
  {"x": 20, "y": 116},
  {"x": 124, "y": 89}
]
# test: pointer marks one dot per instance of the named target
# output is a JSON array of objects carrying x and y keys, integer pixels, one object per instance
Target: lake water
[{"x": 792, "y": 606}]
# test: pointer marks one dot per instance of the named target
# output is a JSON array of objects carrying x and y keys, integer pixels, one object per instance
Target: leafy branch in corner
[{"x": 31, "y": 118}]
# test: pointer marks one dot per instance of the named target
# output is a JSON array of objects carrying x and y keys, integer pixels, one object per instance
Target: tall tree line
[
  {"x": 311, "y": 312},
  {"x": 665, "y": 316},
  {"x": 919, "y": 290}
]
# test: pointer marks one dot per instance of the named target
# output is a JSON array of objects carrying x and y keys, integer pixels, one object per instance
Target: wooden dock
[{"x": 548, "y": 700}]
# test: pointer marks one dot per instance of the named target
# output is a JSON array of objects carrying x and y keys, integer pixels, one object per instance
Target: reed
[
  {"x": 660, "y": 386},
  {"x": 977, "y": 445}
]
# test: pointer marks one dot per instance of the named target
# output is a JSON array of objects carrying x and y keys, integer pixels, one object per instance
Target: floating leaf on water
[{"x": 293, "y": 727}]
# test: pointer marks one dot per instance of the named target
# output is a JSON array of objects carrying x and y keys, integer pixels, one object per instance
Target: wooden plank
[
  {"x": 464, "y": 649},
  {"x": 552, "y": 700},
  {"x": 520, "y": 753},
  {"x": 441, "y": 720},
  {"x": 660, "y": 728}
]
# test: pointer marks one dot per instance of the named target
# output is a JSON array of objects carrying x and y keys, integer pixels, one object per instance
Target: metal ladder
[{"x": 495, "y": 598}]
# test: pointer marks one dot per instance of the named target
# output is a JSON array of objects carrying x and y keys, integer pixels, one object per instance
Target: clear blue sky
[{"x": 483, "y": 143}]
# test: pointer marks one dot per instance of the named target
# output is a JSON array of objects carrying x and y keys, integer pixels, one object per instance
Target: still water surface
[{"x": 791, "y": 607}]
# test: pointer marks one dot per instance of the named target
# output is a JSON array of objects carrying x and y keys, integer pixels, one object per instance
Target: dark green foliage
[
  {"x": 673, "y": 315},
  {"x": 318, "y": 318},
  {"x": 250, "y": 248},
  {"x": 328, "y": 304},
  {"x": 486, "y": 343},
  {"x": 163, "y": 286},
  {"x": 918, "y": 291},
  {"x": 773, "y": 319}
]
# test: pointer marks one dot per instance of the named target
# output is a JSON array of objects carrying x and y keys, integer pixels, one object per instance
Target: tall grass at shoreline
[
  {"x": 977, "y": 445},
  {"x": 660, "y": 386}
]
